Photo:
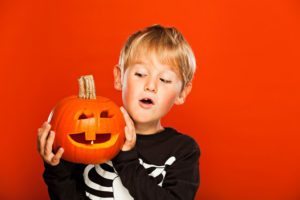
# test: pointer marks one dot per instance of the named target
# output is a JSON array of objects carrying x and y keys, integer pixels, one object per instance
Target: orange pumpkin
[{"x": 90, "y": 128}]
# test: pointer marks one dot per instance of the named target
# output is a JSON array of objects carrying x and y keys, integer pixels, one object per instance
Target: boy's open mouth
[{"x": 147, "y": 101}]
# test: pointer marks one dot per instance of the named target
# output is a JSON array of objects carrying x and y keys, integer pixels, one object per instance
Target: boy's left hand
[{"x": 130, "y": 133}]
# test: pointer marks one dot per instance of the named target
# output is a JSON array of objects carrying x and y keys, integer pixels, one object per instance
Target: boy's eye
[
  {"x": 165, "y": 80},
  {"x": 138, "y": 74}
]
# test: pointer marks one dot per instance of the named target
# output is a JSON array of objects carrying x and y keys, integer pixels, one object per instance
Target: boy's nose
[{"x": 150, "y": 86}]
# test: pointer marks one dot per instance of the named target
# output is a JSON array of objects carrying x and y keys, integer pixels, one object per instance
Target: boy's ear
[
  {"x": 183, "y": 94},
  {"x": 117, "y": 78}
]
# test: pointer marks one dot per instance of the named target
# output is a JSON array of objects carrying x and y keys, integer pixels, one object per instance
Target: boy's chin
[
  {"x": 142, "y": 119},
  {"x": 145, "y": 117}
]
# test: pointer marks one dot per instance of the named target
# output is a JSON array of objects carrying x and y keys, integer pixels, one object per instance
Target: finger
[
  {"x": 130, "y": 141},
  {"x": 42, "y": 129},
  {"x": 127, "y": 118},
  {"x": 56, "y": 158},
  {"x": 42, "y": 136},
  {"x": 45, "y": 125},
  {"x": 128, "y": 134},
  {"x": 129, "y": 128},
  {"x": 129, "y": 122},
  {"x": 38, "y": 139},
  {"x": 49, "y": 143}
]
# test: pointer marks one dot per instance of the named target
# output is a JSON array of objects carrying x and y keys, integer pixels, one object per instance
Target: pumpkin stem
[{"x": 87, "y": 87}]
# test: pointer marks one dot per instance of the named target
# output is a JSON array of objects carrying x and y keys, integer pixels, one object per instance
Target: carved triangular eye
[
  {"x": 84, "y": 116},
  {"x": 104, "y": 114}
]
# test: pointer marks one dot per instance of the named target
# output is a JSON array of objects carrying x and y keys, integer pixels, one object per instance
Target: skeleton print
[{"x": 102, "y": 181}]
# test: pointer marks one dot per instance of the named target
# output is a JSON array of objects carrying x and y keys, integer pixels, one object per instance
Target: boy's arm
[
  {"x": 64, "y": 181},
  {"x": 181, "y": 180}
]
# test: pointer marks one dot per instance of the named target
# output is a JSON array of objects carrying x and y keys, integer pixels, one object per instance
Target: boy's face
[{"x": 149, "y": 89}]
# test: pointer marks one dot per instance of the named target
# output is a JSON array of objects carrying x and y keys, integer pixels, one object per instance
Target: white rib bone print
[{"x": 103, "y": 182}]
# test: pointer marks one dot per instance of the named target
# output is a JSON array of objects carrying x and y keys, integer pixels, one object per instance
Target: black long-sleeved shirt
[{"x": 164, "y": 165}]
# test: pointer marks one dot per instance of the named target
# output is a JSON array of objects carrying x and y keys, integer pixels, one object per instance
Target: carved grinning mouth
[{"x": 100, "y": 138}]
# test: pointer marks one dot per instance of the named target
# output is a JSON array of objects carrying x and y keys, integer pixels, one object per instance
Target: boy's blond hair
[{"x": 167, "y": 43}]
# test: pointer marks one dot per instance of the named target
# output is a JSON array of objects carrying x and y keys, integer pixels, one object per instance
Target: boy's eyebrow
[
  {"x": 141, "y": 62},
  {"x": 137, "y": 62}
]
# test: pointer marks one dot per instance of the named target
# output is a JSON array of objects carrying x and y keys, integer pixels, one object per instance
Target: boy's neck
[{"x": 148, "y": 128}]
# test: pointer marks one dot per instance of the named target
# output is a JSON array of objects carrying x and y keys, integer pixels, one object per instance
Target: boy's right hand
[{"x": 45, "y": 141}]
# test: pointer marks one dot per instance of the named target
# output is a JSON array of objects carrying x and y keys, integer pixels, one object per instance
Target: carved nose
[
  {"x": 89, "y": 127},
  {"x": 90, "y": 135}
]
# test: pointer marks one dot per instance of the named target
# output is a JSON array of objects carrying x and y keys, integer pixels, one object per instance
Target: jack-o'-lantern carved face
[
  {"x": 90, "y": 130},
  {"x": 94, "y": 135}
]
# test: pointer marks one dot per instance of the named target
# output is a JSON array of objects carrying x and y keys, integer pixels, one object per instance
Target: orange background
[{"x": 243, "y": 110}]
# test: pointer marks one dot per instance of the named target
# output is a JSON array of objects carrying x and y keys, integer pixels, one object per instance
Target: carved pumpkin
[{"x": 89, "y": 128}]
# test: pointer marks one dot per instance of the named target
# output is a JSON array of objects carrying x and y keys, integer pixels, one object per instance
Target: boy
[{"x": 155, "y": 70}]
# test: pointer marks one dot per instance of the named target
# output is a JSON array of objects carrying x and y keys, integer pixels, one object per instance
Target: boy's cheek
[
  {"x": 167, "y": 99},
  {"x": 128, "y": 98}
]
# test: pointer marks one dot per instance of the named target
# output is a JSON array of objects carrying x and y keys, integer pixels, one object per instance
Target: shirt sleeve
[
  {"x": 181, "y": 180},
  {"x": 64, "y": 181}
]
